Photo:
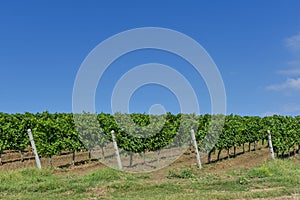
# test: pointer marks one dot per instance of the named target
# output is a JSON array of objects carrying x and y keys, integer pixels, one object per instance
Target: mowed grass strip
[{"x": 278, "y": 178}]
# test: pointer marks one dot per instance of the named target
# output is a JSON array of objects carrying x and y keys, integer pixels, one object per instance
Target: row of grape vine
[{"x": 139, "y": 133}]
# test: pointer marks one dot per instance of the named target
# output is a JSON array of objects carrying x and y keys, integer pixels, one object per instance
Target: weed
[
  {"x": 184, "y": 174},
  {"x": 243, "y": 180}
]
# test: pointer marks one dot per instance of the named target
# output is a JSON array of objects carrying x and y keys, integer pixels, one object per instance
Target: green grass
[{"x": 273, "y": 178}]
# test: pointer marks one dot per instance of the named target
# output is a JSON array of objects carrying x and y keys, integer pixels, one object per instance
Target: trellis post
[
  {"x": 116, "y": 149},
  {"x": 194, "y": 142},
  {"x": 270, "y": 144},
  {"x": 37, "y": 158}
]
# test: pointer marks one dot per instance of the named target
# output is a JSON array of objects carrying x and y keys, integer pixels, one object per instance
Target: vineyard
[{"x": 57, "y": 133}]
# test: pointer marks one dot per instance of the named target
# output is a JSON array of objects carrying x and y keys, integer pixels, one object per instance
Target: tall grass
[{"x": 271, "y": 179}]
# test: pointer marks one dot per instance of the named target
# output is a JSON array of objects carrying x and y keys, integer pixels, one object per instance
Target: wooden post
[
  {"x": 219, "y": 153},
  {"x": 22, "y": 155},
  {"x": 234, "y": 151},
  {"x": 130, "y": 160},
  {"x": 73, "y": 158},
  {"x": 196, "y": 149},
  {"x": 228, "y": 153},
  {"x": 102, "y": 149},
  {"x": 37, "y": 159},
  {"x": 249, "y": 148},
  {"x": 116, "y": 150},
  {"x": 90, "y": 155},
  {"x": 270, "y": 144}
]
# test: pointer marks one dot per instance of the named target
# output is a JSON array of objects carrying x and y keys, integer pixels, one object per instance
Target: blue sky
[{"x": 255, "y": 44}]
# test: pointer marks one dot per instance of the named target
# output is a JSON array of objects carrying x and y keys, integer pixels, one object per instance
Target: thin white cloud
[
  {"x": 295, "y": 63},
  {"x": 287, "y": 109},
  {"x": 290, "y": 83},
  {"x": 269, "y": 113},
  {"x": 293, "y": 42},
  {"x": 291, "y": 108},
  {"x": 289, "y": 72}
]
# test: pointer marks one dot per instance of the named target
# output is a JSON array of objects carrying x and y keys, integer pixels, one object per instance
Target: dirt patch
[
  {"x": 63, "y": 163},
  {"x": 80, "y": 170},
  {"x": 291, "y": 197},
  {"x": 188, "y": 161},
  {"x": 98, "y": 191},
  {"x": 12, "y": 160},
  {"x": 265, "y": 189}
]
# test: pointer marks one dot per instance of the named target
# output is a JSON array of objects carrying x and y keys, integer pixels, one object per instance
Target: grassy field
[{"x": 278, "y": 178}]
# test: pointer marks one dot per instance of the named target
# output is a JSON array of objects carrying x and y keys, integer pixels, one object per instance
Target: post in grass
[
  {"x": 194, "y": 142},
  {"x": 37, "y": 158},
  {"x": 270, "y": 144},
  {"x": 116, "y": 149}
]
